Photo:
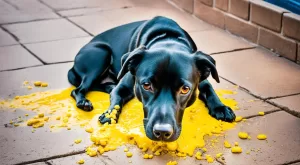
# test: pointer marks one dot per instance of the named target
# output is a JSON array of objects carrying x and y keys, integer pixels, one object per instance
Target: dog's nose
[{"x": 163, "y": 131}]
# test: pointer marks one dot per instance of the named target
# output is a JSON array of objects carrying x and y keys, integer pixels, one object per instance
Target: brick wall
[{"x": 255, "y": 20}]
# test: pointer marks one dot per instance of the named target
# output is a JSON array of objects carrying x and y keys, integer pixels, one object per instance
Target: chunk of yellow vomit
[
  {"x": 261, "y": 137},
  {"x": 16, "y": 124},
  {"x": 219, "y": 155},
  {"x": 57, "y": 118},
  {"x": 236, "y": 143},
  {"x": 146, "y": 156},
  {"x": 25, "y": 82},
  {"x": 238, "y": 118},
  {"x": 129, "y": 154},
  {"x": 117, "y": 107},
  {"x": 91, "y": 152},
  {"x": 198, "y": 155},
  {"x": 46, "y": 118},
  {"x": 68, "y": 128},
  {"x": 172, "y": 146},
  {"x": 29, "y": 87},
  {"x": 37, "y": 83},
  {"x": 113, "y": 121},
  {"x": 227, "y": 144},
  {"x": 26, "y": 115},
  {"x": 44, "y": 84},
  {"x": 172, "y": 163},
  {"x": 101, "y": 150},
  {"x": 204, "y": 149},
  {"x": 80, "y": 161},
  {"x": 69, "y": 115},
  {"x": 126, "y": 149},
  {"x": 261, "y": 113},
  {"x": 236, "y": 149},
  {"x": 17, "y": 97},
  {"x": 77, "y": 141},
  {"x": 30, "y": 122},
  {"x": 209, "y": 159},
  {"x": 41, "y": 115},
  {"x": 243, "y": 135},
  {"x": 89, "y": 129},
  {"x": 37, "y": 125}
]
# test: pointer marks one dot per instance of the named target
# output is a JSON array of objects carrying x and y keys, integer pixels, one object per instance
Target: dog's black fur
[{"x": 154, "y": 60}]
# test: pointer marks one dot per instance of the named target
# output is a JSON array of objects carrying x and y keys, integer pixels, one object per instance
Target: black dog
[{"x": 157, "y": 62}]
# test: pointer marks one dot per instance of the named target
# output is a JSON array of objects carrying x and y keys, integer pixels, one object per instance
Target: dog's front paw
[
  {"x": 223, "y": 113},
  {"x": 85, "y": 105},
  {"x": 109, "y": 116}
]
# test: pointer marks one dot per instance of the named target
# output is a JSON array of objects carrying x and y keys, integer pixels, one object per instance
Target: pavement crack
[
  {"x": 48, "y": 163},
  {"x": 37, "y": 57},
  {"x": 234, "y": 50},
  {"x": 34, "y": 20},
  {"x": 275, "y": 97},
  {"x": 51, "y": 157},
  {"x": 92, "y": 35},
  {"x": 291, "y": 162},
  {"x": 11, "y": 34},
  {"x": 12, "y": 5},
  {"x": 266, "y": 113}
]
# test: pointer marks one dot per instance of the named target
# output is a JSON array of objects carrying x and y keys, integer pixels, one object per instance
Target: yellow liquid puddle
[{"x": 57, "y": 110}]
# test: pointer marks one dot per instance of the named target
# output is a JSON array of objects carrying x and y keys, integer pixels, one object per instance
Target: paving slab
[
  {"x": 292, "y": 102},
  {"x": 19, "y": 144},
  {"x": 281, "y": 146},
  {"x": 113, "y": 18},
  {"x": 58, "y": 51},
  {"x": 216, "y": 41},
  {"x": 6, "y": 39},
  {"x": 71, "y": 4},
  {"x": 260, "y": 71},
  {"x": 12, "y": 11},
  {"x": 55, "y": 75},
  {"x": 247, "y": 104},
  {"x": 46, "y": 30},
  {"x": 13, "y": 57}
]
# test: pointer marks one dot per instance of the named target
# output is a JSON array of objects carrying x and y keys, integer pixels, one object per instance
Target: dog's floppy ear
[
  {"x": 130, "y": 61},
  {"x": 206, "y": 65}
]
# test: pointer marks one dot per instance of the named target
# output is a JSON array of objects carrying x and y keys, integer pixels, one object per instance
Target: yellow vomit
[{"x": 57, "y": 110}]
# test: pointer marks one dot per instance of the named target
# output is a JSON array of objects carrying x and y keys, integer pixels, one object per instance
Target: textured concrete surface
[{"x": 40, "y": 38}]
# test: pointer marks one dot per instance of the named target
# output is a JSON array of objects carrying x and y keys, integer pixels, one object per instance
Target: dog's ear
[
  {"x": 130, "y": 61},
  {"x": 206, "y": 65}
]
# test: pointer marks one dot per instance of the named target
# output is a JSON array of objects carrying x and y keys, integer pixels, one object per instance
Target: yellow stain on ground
[{"x": 58, "y": 104}]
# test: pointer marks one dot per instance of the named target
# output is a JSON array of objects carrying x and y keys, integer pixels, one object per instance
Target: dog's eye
[
  {"x": 147, "y": 86},
  {"x": 185, "y": 90}
]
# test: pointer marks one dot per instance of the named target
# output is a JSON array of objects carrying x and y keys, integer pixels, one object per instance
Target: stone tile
[
  {"x": 13, "y": 57},
  {"x": 209, "y": 14},
  {"x": 19, "y": 144},
  {"x": 71, "y": 4},
  {"x": 6, "y": 39},
  {"x": 242, "y": 28},
  {"x": 58, "y": 51},
  {"x": 24, "y": 10},
  {"x": 55, "y": 75},
  {"x": 206, "y": 2},
  {"x": 292, "y": 102},
  {"x": 45, "y": 30},
  {"x": 278, "y": 43},
  {"x": 248, "y": 105},
  {"x": 280, "y": 147},
  {"x": 260, "y": 71},
  {"x": 118, "y": 17},
  {"x": 214, "y": 41}
]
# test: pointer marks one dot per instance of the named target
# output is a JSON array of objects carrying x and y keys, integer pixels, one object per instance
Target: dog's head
[{"x": 166, "y": 83}]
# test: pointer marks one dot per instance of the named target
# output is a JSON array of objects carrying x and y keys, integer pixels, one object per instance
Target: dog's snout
[{"x": 163, "y": 131}]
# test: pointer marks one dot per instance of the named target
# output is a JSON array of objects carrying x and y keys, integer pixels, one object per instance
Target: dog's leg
[
  {"x": 216, "y": 108},
  {"x": 120, "y": 95},
  {"x": 90, "y": 64}
]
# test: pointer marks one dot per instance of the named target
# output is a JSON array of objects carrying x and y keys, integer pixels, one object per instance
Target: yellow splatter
[{"x": 196, "y": 123}]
